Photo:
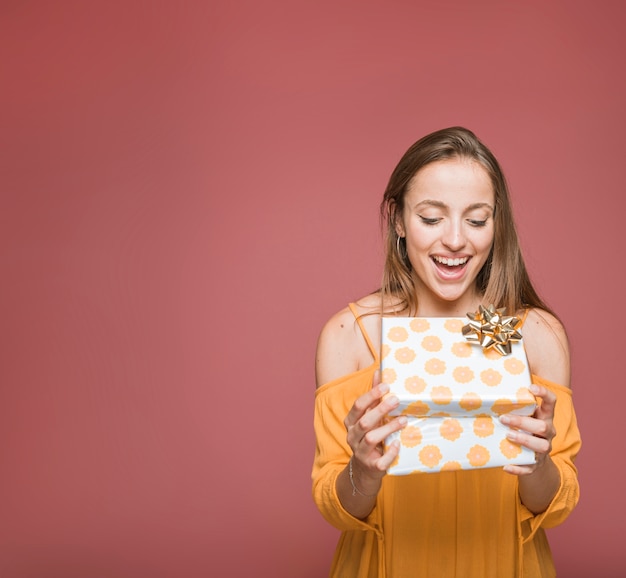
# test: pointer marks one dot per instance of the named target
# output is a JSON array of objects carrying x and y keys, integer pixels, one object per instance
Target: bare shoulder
[
  {"x": 341, "y": 347},
  {"x": 547, "y": 347}
]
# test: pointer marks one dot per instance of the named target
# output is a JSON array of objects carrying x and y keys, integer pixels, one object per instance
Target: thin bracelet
[{"x": 356, "y": 490}]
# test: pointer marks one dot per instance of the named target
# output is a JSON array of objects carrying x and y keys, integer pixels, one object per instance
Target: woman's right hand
[{"x": 367, "y": 430}]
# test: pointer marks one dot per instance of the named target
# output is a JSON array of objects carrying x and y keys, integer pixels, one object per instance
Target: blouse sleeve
[
  {"x": 332, "y": 404},
  {"x": 565, "y": 446}
]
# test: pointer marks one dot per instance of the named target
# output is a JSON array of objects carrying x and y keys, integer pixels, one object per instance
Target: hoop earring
[{"x": 402, "y": 257}]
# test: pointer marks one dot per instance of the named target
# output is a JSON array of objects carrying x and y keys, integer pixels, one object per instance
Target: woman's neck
[{"x": 429, "y": 306}]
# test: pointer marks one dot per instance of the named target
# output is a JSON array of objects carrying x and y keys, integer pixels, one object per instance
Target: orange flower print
[
  {"x": 419, "y": 325},
  {"x": 430, "y": 456},
  {"x": 450, "y": 429},
  {"x": 384, "y": 350},
  {"x": 470, "y": 401},
  {"x": 435, "y": 366},
  {"x": 483, "y": 426},
  {"x": 525, "y": 397},
  {"x": 451, "y": 466},
  {"x": 461, "y": 349},
  {"x": 516, "y": 407},
  {"x": 453, "y": 325},
  {"x": 405, "y": 355},
  {"x": 478, "y": 456},
  {"x": 502, "y": 405},
  {"x": 440, "y": 414},
  {"x": 398, "y": 334},
  {"x": 463, "y": 374},
  {"x": 490, "y": 377},
  {"x": 441, "y": 394},
  {"x": 414, "y": 384},
  {"x": 416, "y": 408},
  {"x": 411, "y": 436},
  {"x": 514, "y": 366},
  {"x": 389, "y": 375},
  {"x": 509, "y": 449},
  {"x": 491, "y": 354},
  {"x": 431, "y": 343}
]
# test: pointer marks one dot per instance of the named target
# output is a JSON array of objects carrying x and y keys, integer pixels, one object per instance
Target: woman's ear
[{"x": 396, "y": 219}]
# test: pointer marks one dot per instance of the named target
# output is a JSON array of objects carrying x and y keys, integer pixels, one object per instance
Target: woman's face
[{"x": 449, "y": 230}]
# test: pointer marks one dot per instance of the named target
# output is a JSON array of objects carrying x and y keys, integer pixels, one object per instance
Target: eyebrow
[{"x": 435, "y": 203}]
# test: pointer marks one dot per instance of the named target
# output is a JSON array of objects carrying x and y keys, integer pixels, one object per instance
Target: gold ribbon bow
[{"x": 492, "y": 328}]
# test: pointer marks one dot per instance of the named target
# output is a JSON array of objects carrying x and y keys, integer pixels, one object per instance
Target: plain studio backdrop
[{"x": 188, "y": 190}]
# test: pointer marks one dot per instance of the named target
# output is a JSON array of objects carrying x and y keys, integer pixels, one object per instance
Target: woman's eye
[
  {"x": 477, "y": 223},
  {"x": 429, "y": 220}
]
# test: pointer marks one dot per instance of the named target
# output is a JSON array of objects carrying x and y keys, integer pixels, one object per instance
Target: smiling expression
[{"x": 448, "y": 227}]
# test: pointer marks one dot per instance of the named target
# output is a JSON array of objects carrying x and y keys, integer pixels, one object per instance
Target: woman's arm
[
  {"x": 548, "y": 356},
  {"x": 341, "y": 350}
]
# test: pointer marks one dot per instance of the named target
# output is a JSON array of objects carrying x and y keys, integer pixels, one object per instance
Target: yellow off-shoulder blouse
[{"x": 467, "y": 523}]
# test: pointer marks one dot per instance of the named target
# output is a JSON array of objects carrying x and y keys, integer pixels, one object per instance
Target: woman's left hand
[{"x": 534, "y": 432}]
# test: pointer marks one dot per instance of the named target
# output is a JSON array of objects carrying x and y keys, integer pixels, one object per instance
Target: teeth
[{"x": 451, "y": 262}]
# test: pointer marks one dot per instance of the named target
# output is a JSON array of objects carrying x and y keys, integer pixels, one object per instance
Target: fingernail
[
  {"x": 511, "y": 435},
  {"x": 383, "y": 388},
  {"x": 402, "y": 420},
  {"x": 533, "y": 388},
  {"x": 393, "y": 400},
  {"x": 505, "y": 418}
]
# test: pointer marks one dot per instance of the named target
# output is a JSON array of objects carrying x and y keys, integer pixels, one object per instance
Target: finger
[
  {"x": 532, "y": 425},
  {"x": 519, "y": 470},
  {"x": 385, "y": 461},
  {"x": 364, "y": 403},
  {"x": 548, "y": 401},
  {"x": 376, "y": 436},
  {"x": 375, "y": 416},
  {"x": 539, "y": 445},
  {"x": 376, "y": 379}
]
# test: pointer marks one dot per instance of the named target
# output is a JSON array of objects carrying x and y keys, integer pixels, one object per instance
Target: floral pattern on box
[{"x": 452, "y": 393}]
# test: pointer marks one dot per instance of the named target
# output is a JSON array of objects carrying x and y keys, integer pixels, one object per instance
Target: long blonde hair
[{"x": 503, "y": 280}]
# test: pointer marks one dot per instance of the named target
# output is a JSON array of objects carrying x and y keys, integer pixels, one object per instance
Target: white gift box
[{"x": 452, "y": 392}]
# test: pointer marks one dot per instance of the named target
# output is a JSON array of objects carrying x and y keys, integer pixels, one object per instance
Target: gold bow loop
[{"x": 492, "y": 328}]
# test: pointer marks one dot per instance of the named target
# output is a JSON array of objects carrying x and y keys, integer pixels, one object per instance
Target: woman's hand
[
  {"x": 533, "y": 432},
  {"x": 538, "y": 482},
  {"x": 367, "y": 430}
]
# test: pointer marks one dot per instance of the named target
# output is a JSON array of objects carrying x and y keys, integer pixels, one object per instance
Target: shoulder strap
[{"x": 357, "y": 316}]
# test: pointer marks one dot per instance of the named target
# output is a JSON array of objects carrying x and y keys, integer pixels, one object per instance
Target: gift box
[{"x": 454, "y": 379}]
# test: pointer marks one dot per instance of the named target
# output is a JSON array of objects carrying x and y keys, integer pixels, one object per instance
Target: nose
[{"x": 454, "y": 236}]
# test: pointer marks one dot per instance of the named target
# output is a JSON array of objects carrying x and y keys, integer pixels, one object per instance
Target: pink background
[{"x": 189, "y": 190}]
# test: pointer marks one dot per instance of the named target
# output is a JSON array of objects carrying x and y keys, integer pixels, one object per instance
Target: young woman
[{"x": 451, "y": 246}]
